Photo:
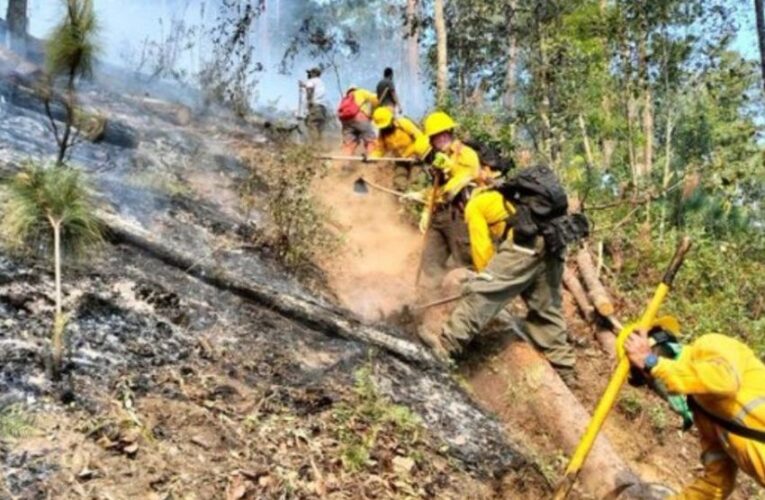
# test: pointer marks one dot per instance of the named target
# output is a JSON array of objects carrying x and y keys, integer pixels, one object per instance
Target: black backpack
[
  {"x": 539, "y": 189},
  {"x": 541, "y": 207}
]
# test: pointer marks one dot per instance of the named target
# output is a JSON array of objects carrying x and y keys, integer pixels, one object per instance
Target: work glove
[
  {"x": 424, "y": 221},
  {"x": 416, "y": 196},
  {"x": 440, "y": 161}
]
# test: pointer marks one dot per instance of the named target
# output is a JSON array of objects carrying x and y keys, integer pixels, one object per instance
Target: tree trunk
[
  {"x": 413, "y": 51},
  {"x": 548, "y": 406},
  {"x": 58, "y": 320},
  {"x": 508, "y": 97},
  {"x": 442, "y": 62},
  {"x": 541, "y": 72},
  {"x": 16, "y": 17},
  {"x": 759, "y": 8},
  {"x": 586, "y": 141},
  {"x": 647, "y": 164},
  {"x": 320, "y": 317},
  {"x": 572, "y": 283},
  {"x": 597, "y": 291}
]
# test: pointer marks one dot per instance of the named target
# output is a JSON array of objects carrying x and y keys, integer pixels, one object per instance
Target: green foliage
[
  {"x": 72, "y": 48},
  {"x": 299, "y": 231},
  {"x": 39, "y": 196},
  {"x": 657, "y": 416},
  {"x": 15, "y": 422},
  {"x": 630, "y": 404},
  {"x": 366, "y": 417}
]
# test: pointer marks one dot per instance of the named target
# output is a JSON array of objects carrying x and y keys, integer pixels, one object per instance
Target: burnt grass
[
  {"x": 207, "y": 392},
  {"x": 172, "y": 388}
]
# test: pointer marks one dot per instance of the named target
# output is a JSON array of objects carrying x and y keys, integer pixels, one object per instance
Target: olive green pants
[
  {"x": 447, "y": 237},
  {"x": 402, "y": 172},
  {"x": 537, "y": 279}
]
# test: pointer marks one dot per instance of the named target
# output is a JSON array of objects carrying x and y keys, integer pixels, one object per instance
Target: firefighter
[
  {"x": 457, "y": 167},
  {"x": 355, "y": 113},
  {"x": 720, "y": 383},
  {"x": 396, "y": 137}
]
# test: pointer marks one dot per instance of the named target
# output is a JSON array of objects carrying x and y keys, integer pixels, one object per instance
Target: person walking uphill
[
  {"x": 458, "y": 167},
  {"x": 386, "y": 92},
  {"x": 723, "y": 382},
  {"x": 315, "y": 92},
  {"x": 398, "y": 138},
  {"x": 529, "y": 263},
  {"x": 355, "y": 112}
]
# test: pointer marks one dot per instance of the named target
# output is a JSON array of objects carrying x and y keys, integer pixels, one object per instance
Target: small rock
[
  {"x": 265, "y": 481},
  {"x": 403, "y": 465},
  {"x": 202, "y": 441},
  {"x": 130, "y": 449}
]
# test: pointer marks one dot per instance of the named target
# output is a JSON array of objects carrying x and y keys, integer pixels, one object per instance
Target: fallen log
[
  {"x": 21, "y": 94},
  {"x": 177, "y": 114},
  {"x": 572, "y": 283},
  {"x": 320, "y": 317},
  {"x": 597, "y": 291},
  {"x": 555, "y": 411}
]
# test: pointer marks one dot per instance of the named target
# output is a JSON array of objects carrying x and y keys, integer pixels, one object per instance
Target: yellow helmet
[
  {"x": 438, "y": 122},
  {"x": 382, "y": 117},
  {"x": 667, "y": 323},
  {"x": 422, "y": 147}
]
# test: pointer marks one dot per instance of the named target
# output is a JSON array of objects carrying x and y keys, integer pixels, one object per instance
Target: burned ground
[{"x": 174, "y": 387}]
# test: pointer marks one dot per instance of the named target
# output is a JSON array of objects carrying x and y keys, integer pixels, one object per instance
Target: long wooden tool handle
[
  {"x": 432, "y": 207},
  {"x": 620, "y": 375},
  {"x": 367, "y": 160}
]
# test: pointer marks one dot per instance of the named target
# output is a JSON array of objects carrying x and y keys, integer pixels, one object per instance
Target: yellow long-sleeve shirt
[
  {"x": 486, "y": 215},
  {"x": 400, "y": 141},
  {"x": 367, "y": 101},
  {"x": 726, "y": 378},
  {"x": 462, "y": 168}
]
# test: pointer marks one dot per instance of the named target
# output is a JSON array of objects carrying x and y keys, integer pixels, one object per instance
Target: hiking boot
[
  {"x": 432, "y": 339},
  {"x": 569, "y": 377}
]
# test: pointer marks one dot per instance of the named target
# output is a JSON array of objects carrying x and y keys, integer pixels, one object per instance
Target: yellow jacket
[
  {"x": 399, "y": 142},
  {"x": 728, "y": 380},
  {"x": 367, "y": 101},
  {"x": 486, "y": 215},
  {"x": 462, "y": 168}
]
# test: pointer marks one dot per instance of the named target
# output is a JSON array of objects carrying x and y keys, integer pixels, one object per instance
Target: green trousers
[
  {"x": 402, "y": 172},
  {"x": 537, "y": 279},
  {"x": 446, "y": 238}
]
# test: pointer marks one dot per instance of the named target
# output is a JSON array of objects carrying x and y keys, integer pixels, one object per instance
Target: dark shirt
[{"x": 386, "y": 92}]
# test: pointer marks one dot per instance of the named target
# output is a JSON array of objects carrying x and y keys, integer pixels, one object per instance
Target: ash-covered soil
[{"x": 173, "y": 388}]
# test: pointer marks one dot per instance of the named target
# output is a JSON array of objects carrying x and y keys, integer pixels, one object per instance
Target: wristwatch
[{"x": 650, "y": 362}]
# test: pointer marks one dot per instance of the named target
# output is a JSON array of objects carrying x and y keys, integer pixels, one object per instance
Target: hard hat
[
  {"x": 422, "y": 147},
  {"x": 382, "y": 117},
  {"x": 668, "y": 324},
  {"x": 438, "y": 122}
]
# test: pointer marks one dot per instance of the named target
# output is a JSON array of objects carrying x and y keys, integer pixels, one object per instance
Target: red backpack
[{"x": 348, "y": 108}]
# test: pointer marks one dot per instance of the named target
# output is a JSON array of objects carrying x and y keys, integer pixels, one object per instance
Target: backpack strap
[{"x": 729, "y": 425}]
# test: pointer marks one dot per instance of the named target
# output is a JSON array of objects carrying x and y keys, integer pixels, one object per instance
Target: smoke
[{"x": 174, "y": 35}]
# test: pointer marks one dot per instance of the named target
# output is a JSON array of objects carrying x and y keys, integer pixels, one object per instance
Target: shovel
[
  {"x": 620, "y": 375},
  {"x": 361, "y": 186}
]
